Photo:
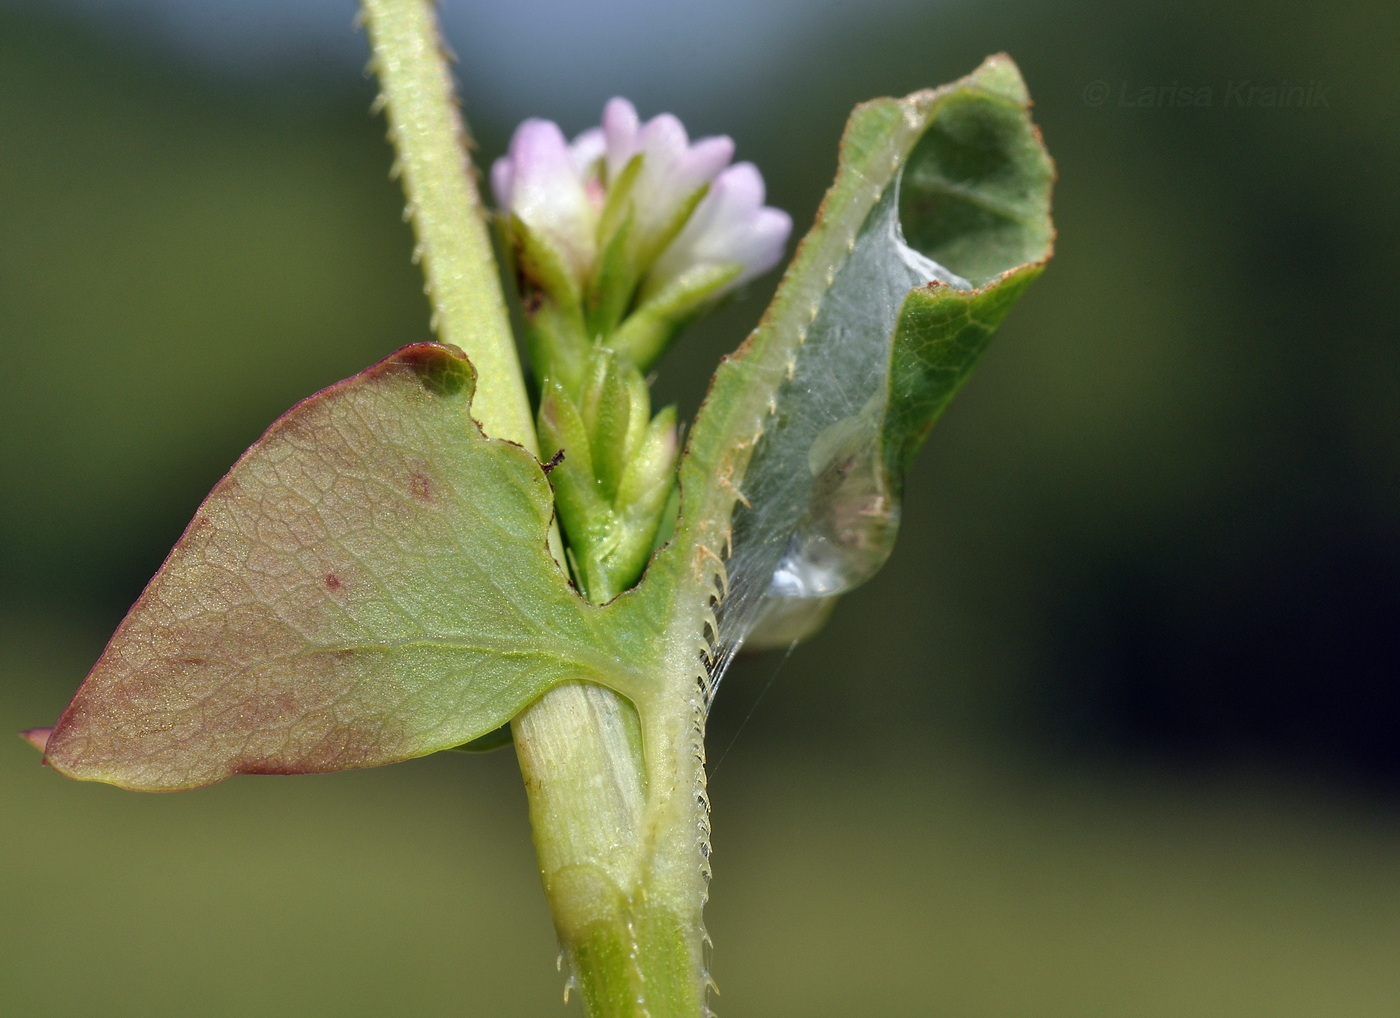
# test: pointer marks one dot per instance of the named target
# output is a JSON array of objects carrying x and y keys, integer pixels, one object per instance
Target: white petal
[
  {"x": 702, "y": 163},
  {"x": 737, "y": 194},
  {"x": 620, "y": 134},
  {"x": 587, "y": 149},
  {"x": 672, "y": 171},
  {"x": 763, "y": 245},
  {"x": 730, "y": 226},
  {"x": 546, "y": 192},
  {"x": 663, "y": 140}
]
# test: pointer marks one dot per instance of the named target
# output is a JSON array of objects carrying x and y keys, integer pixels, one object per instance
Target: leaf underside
[
  {"x": 369, "y": 583},
  {"x": 937, "y": 221}
]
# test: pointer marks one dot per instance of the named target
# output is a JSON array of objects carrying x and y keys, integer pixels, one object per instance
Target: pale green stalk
[
  {"x": 444, "y": 205},
  {"x": 579, "y": 745}
]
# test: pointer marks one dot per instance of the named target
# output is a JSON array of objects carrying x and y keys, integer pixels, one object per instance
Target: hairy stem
[{"x": 444, "y": 205}]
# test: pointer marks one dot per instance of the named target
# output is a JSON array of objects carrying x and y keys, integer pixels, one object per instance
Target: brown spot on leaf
[
  {"x": 333, "y": 582},
  {"x": 420, "y": 487}
]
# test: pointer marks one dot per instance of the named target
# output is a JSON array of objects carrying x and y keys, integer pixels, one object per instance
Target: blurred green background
[{"x": 1115, "y": 733}]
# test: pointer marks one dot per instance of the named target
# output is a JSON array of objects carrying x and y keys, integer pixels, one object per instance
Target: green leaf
[
  {"x": 941, "y": 335},
  {"x": 498, "y": 738},
  {"x": 369, "y": 583},
  {"x": 810, "y": 426},
  {"x": 975, "y": 192}
]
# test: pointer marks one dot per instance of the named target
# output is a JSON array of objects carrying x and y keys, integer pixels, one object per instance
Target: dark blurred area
[{"x": 1116, "y": 732}]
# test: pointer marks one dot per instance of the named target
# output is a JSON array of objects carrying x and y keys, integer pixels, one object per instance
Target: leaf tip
[
  {"x": 37, "y": 737},
  {"x": 999, "y": 75}
]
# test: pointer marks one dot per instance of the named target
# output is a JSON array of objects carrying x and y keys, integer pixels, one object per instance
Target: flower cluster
[
  {"x": 619, "y": 238},
  {"x": 633, "y": 224}
]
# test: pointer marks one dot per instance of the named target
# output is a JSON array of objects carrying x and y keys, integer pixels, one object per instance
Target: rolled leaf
[{"x": 939, "y": 217}]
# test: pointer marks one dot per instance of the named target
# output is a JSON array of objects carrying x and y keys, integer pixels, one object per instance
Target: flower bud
[
  {"x": 644, "y": 495},
  {"x": 607, "y": 414},
  {"x": 561, "y": 429},
  {"x": 620, "y": 238}
]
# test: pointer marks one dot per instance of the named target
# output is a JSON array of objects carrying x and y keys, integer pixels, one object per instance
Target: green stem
[
  {"x": 454, "y": 244},
  {"x": 618, "y": 855},
  {"x": 618, "y": 829},
  {"x": 633, "y": 940}
]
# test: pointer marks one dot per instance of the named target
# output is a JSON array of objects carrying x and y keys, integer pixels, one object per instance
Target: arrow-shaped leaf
[{"x": 369, "y": 583}]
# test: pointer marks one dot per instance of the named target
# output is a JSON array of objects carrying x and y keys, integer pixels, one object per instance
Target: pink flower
[
  {"x": 559, "y": 190},
  {"x": 730, "y": 226},
  {"x": 671, "y": 172},
  {"x": 540, "y": 181}
]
